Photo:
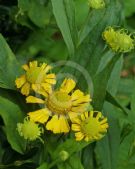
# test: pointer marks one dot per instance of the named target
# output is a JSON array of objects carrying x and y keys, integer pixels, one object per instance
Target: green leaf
[
  {"x": 100, "y": 83},
  {"x": 81, "y": 12},
  {"x": 133, "y": 100},
  {"x": 93, "y": 19},
  {"x": 43, "y": 166},
  {"x": 11, "y": 115},
  {"x": 115, "y": 77},
  {"x": 64, "y": 12},
  {"x": 111, "y": 99},
  {"x": 108, "y": 148},
  {"x": 125, "y": 152},
  {"x": 32, "y": 8},
  {"x": 129, "y": 7},
  {"x": 9, "y": 67},
  {"x": 74, "y": 162},
  {"x": 39, "y": 18},
  {"x": 87, "y": 156},
  {"x": 70, "y": 145}
]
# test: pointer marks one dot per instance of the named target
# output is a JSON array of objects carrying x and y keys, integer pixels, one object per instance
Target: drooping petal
[
  {"x": 33, "y": 64},
  {"x": 50, "y": 81},
  {"x": 38, "y": 88},
  {"x": 20, "y": 81},
  {"x": 40, "y": 116},
  {"x": 58, "y": 125},
  {"x": 53, "y": 123},
  {"x": 64, "y": 126},
  {"x": 51, "y": 76},
  {"x": 47, "y": 87},
  {"x": 76, "y": 127},
  {"x": 79, "y": 136},
  {"x": 25, "y": 90},
  {"x": 77, "y": 94},
  {"x": 25, "y": 67},
  {"x": 81, "y": 100},
  {"x": 32, "y": 99},
  {"x": 68, "y": 85}
]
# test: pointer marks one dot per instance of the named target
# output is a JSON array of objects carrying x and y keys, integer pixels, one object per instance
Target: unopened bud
[{"x": 64, "y": 155}]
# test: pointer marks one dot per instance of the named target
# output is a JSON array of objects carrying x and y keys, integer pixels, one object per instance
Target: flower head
[
  {"x": 62, "y": 104},
  {"x": 29, "y": 130},
  {"x": 96, "y": 4},
  {"x": 90, "y": 126},
  {"x": 36, "y": 78},
  {"x": 118, "y": 40}
]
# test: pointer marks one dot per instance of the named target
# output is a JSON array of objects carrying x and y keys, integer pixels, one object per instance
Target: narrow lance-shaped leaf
[{"x": 65, "y": 16}]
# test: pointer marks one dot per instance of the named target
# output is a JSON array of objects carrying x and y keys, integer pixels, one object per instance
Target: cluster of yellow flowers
[{"x": 63, "y": 108}]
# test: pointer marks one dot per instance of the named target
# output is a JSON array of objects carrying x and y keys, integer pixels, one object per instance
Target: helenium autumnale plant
[{"x": 60, "y": 77}]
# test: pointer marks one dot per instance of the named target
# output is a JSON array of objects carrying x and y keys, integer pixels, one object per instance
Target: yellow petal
[
  {"x": 86, "y": 138},
  {"x": 51, "y": 81},
  {"x": 43, "y": 66},
  {"x": 47, "y": 87},
  {"x": 33, "y": 64},
  {"x": 68, "y": 85},
  {"x": 53, "y": 123},
  {"x": 103, "y": 121},
  {"x": 48, "y": 67},
  {"x": 79, "y": 136},
  {"x": 64, "y": 126},
  {"x": 72, "y": 115},
  {"x": 38, "y": 88},
  {"x": 40, "y": 116},
  {"x": 77, "y": 94},
  {"x": 25, "y": 90},
  {"x": 99, "y": 115},
  {"x": 32, "y": 99},
  {"x": 50, "y": 76},
  {"x": 20, "y": 81},
  {"x": 91, "y": 113},
  {"x": 86, "y": 114},
  {"x": 81, "y": 100},
  {"x": 80, "y": 109},
  {"x": 58, "y": 125},
  {"x": 25, "y": 67},
  {"x": 76, "y": 127},
  {"x": 83, "y": 116},
  {"x": 75, "y": 120}
]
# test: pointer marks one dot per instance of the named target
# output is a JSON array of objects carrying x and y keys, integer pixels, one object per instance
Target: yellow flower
[
  {"x": 36, "y": 78},
  {"x": 96, "y": 4},
  {"x": 90, "y": 126},
  {"x": 29, "y": 130},
  {"x": 118, "y": 40},
  {"x": 61, "y": 104}
]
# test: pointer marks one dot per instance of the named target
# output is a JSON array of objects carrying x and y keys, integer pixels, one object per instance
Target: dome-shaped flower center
[
  {"x": 125, "y": 41},
  {"x": 59, "y": 102},
  {"x": 29, "y": 130},
  {"x": 91, "y": 127},
  {"x": 35, "y": 76}
]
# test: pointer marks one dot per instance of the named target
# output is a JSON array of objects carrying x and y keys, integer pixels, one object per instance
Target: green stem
[
  {"x": 54, "y": 163},
  {"x": 16, "y": 163}
]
